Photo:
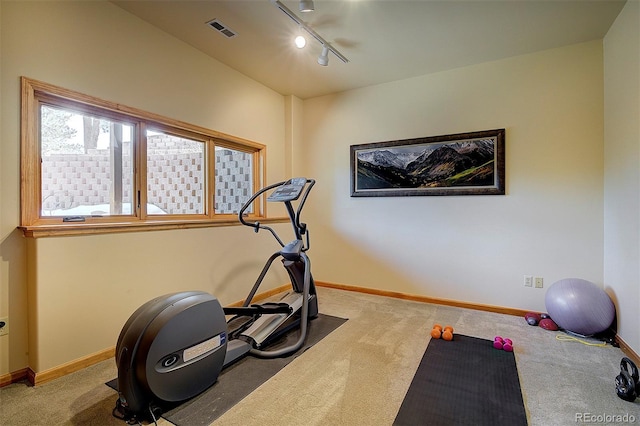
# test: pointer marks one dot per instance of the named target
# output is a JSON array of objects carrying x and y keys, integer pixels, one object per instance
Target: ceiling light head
[
  {"x": 306, "y": 6},
  {"x": 300, "y": 41},
  {"x": 323, "y": 59}
]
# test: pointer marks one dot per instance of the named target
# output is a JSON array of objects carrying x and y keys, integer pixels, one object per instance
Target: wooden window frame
[{"x": 33, "y": 224}]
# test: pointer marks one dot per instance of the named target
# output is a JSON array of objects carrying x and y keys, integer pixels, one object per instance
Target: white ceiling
[{"x": 384, "y": 40}]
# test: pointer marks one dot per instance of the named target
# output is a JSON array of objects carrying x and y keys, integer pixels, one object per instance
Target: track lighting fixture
[
  {"x": 306, "y": 6},
  {"x": 323, "y": 59}
]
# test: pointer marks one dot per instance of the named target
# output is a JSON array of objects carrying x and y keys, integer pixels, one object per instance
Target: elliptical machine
[{"x": 173, "y": 347}]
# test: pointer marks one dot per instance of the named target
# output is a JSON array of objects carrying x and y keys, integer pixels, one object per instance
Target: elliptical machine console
[{"x": 174, "y": 347}]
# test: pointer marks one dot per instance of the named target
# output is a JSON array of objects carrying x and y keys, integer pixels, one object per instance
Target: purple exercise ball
[{"x": 579, "y": 306}]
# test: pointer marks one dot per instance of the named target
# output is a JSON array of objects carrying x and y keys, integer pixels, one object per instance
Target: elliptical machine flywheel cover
[{"x": 179, "y": 350}]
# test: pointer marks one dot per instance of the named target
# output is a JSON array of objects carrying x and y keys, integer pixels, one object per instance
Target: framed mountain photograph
[{"x": 459, "y": 164}]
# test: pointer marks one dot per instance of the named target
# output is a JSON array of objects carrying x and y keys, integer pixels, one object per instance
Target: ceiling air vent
[{"x": 221, "y": 28}]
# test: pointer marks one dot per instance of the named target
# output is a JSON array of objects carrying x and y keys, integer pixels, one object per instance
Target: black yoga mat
[
  {"x": 464, "y": 382},
  {"x": 243, "y": 377}
]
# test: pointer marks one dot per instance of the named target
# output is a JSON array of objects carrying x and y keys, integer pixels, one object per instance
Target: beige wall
[
  {"x": 622, "y": 170},
  {"x": 82, "y": 289},
  {"x": 551, "y": 223},
  {"x": 294, "y": 110},
  {"x": 469, "y": 248},
  {"x": 86, "y": 294}
]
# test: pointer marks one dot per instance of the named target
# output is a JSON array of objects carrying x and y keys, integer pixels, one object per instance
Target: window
[
  {"x": 90, "y": 166},
  {"x": 234, "y": 175},
  {"x": 175, "y": 174},
  {"x": 85, "y": 164}
]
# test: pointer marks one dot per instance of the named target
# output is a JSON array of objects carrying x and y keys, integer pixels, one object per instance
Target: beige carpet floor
[{"x": 359, "y": 374}]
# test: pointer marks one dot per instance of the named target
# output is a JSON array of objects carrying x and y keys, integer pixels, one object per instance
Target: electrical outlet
[
  {"x": 4, "y": 326},
  {"x": 539, "y": 282},
  {"x": 528, "y": 280}
]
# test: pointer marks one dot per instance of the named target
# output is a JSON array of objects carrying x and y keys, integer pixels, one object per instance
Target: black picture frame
[{"x": 457, "y": 164}]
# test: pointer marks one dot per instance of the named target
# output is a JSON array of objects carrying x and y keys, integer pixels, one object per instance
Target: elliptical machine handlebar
[
  {"x": 256, "y": 225},
  {"x": 286, "y": 192},
  {"x": 293, "y": 254}
]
